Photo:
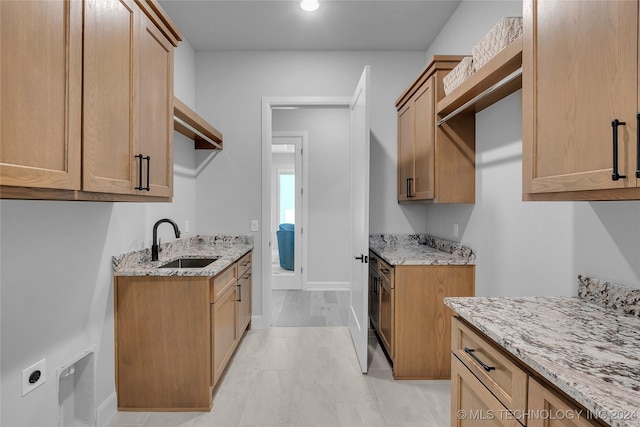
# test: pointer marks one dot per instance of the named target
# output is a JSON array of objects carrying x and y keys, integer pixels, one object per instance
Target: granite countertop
[
  {"x": 229, "y": 248},
  {"x": 420, "y": 249},
  {"x": 588, "y": 346}
]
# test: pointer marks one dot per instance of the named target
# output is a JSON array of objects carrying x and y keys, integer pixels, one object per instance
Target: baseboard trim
[
  {"x": 328, "y": 286},
  {"x": 106, "y": 410}
]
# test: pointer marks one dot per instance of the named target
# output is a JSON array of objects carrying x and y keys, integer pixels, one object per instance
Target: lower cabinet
[
  {"x": 224, "y": 314},
  {"x": 481, "y": 408},
  {"x": 408, "y": 313},
  {"x": 490, "y": 388},
  {"x": 545, "y": 401},
  {"x": 175, "y": 335}
]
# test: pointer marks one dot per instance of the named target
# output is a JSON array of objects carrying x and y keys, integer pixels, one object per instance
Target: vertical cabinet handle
[
  {"x": 239, "y": 286},
  {"x": 614, "y": 124},
  {"x": 139, "y": 157},
  {"x": 638, "y": 146},
  {"x": 409, "y": 187},
  {"x": 148, "y": 159}
]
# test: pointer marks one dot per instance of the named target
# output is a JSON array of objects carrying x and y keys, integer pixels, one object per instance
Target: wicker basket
[
  {"x": 460, "y": 73},
  {"x": 503, "y": 33}
]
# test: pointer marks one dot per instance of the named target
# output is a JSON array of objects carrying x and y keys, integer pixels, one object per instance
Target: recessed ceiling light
[{"x": 309, "y": 5}]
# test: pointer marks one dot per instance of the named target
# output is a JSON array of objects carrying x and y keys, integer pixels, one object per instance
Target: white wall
[
  {"x": 328, "y": 191},
  {"x": 527, "y": 248},
  {"x": 57, "y": 287},
  {"x": 230, "y": 88}
]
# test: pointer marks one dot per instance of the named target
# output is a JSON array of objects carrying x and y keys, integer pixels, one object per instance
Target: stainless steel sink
[{"x": 189, "y": 262}]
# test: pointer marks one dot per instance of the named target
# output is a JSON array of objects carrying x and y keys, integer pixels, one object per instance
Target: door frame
[
  {"x": 300, "y": 139},
  {"x": 268, "y": 104}
]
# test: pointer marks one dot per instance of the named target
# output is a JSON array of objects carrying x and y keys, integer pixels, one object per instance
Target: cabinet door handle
[
  {"x": 239, "y": 286},
  {"x": 614, "y": 124},
  {"x": 638, "y": 146},
  {"x": 139, "y": 157},
  {"x": 148, "y": 159},
  {"x": 409, "y": 187},
  {"x": 470, "y": 352}
]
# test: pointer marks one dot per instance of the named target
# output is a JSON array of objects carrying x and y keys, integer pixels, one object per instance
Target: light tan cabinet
[
  {"x": 473, "y": 404},
  {"x": 576, "y": 84},
  {"x": 224, "y": 314},
  {"x": 386, "y": 313},
  {"x": 41, "y": 94},
  {"x": 562, "y": 413},
  {"x": 435, "y": 164},
  {"x": 108, "y": 91},
  {"x": 491, "y": 388},
  {"x": 244, "y": 287},
  {"x": 410, "y": 318},
  {"x": 174, "y": 337}
]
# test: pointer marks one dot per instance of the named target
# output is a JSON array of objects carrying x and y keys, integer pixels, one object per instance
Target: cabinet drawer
[
  {"x": 472, "y": 404},
  {"x": 543, "y": 401},
  {"x": 386, "y": 272},
  {"x": 222, "y": 281},
  {"x": 506, "y": 380},
  {"x": 244, "y": 264}
]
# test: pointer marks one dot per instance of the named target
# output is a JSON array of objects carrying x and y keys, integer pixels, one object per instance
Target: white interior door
[{"x": 358, "y": 318}]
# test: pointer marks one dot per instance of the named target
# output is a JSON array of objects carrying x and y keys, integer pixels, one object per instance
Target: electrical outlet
[
  {"x": 34, "y": 376},
  {"x": 455, "y": 231},
  {"x": 186, "y": 226},
  {"x": 254, "y": 225}
]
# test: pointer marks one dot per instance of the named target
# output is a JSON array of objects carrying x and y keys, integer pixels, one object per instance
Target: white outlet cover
[
  {"x": 27, "y": 387},
  {"x": 254, "y": 225}
]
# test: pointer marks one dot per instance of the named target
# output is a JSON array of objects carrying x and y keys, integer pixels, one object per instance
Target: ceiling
[{"x": 342, "y": 25}]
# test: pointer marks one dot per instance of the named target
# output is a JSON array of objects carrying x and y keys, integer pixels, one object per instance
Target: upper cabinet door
[
  {"x": 424, "y": 141},
  {"x": 405, "y": 151},
  {"x": 41, "y": 95},
  {"x": 156, "y": 109},
  {"x": 580, "y": 63},
  {"x": 110, "y": 96}
]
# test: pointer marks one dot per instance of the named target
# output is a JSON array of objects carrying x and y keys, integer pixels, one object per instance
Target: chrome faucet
[{"x": 154, "y": 246}]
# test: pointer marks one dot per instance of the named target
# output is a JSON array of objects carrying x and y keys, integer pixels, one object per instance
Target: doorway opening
[{"x": 287, "y": 210}]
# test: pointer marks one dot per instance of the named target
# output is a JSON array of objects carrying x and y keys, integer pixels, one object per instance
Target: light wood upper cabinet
[
  {"x": 41, "y": 95},
  {"x": 111, "y": 71},
  {"x": 156, "y": 107},
  {"x": 435, "y": 164},
  {"x": 580, "y": 73},
  {"x": 95, "y": 113}
]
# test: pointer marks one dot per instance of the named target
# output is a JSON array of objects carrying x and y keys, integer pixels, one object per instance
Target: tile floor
[
  {"x": 309, "y": 377},
  {"x": 309, "y": 308}
]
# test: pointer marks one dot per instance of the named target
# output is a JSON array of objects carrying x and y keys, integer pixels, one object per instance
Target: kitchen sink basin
[{"x": 189, "y": 262}]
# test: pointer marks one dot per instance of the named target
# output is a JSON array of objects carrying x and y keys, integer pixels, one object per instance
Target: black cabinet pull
[
  {"x": 638, "y": 146},
  {"x": 239, "y": 286},
  {"x": 409, "y": 187},
  {"x": 148, "y": 159},
  {"x": 470, "y": 352},
  {"x": 614, "y": 124},
  {"x": 385, "y": 270},
  {"x": 139, "y": 157}
]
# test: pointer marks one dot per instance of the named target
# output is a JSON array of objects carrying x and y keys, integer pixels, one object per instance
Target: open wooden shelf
[
  {"x": 191, "y": 125},
  {"x": 499, "y": 77}
]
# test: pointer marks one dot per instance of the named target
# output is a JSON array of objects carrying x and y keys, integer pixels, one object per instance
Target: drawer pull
[
  {"x": 615, "y": 176},
  {"x": 486, "y": 367},
  {"x": 385, "y": 270},
  {"x": 638, "y": 146},
  {"x": 244, "y": 264}
]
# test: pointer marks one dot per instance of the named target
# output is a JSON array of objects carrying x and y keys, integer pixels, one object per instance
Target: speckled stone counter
[
  {"x": 420, "y": 249},
  {"x": 589, "y": 351},
  {"x": 229, "y": 248}
]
